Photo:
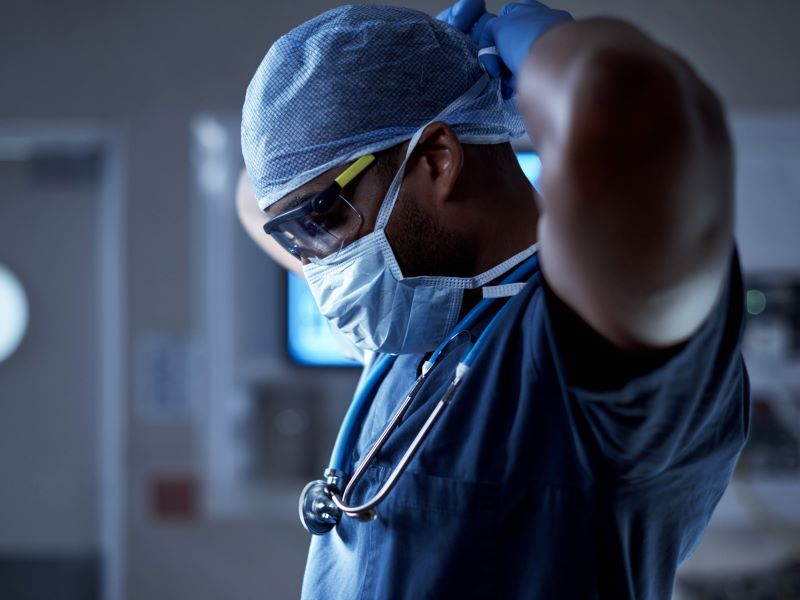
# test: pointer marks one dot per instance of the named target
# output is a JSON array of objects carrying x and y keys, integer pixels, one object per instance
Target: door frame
[{"x": 19, "y": 139}]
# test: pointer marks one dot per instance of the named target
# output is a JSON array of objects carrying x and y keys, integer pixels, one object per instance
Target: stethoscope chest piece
[{"x": 318, "y": 513}]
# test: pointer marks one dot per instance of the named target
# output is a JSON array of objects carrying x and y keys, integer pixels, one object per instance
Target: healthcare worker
[{"x": 584, "y": 337}]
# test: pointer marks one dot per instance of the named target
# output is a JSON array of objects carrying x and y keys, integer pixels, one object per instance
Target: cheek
[
  {"x": 408, "y": 234},
  {"x": 421, "y": 244}
]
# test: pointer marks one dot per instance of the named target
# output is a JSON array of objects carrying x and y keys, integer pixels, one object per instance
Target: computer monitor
[
  {"x": 309, "y": 338},
  {"x": 531, "y": 166}
]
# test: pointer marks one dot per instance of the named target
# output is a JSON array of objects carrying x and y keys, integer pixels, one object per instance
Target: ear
[{"x": 435, "y": 164}]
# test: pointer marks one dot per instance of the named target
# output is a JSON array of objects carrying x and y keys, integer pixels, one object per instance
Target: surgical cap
[{"x": 357, "y": 80}]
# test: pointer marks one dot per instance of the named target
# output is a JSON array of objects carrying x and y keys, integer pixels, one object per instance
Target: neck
[
  {"x": 506, "y": 232},
  {"x": 506, "y": 215}
]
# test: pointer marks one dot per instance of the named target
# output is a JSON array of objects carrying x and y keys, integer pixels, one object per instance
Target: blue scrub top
[{"x": 563, "y": 468}]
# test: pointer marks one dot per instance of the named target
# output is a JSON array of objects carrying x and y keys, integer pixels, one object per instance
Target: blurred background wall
[{"x": 157, "y": 478}]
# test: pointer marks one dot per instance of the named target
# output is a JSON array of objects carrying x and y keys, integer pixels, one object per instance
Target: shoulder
[
  {"x": 592, "y": 362},
  {"x": 644, "y": 413}
]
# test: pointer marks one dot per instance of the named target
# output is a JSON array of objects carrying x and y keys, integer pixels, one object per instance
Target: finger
[
  {"x": 465, "y": 13},
  {"x": 508, "y": 85},
  {"x": 512, "y": 6},
  {"x": 487, "y": 52},
  {"x": 492, "y": 64},
  {"x": 477, "y": 30},
  {"x": 445, "y": 15}
]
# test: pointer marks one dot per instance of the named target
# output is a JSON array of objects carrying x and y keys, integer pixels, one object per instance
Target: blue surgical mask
[
  {"x": 365, "y": 296},
  {"x": 363, "y": 293}
]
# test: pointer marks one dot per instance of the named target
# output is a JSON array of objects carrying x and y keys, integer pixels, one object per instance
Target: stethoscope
[{"x": 322, "y": 502}]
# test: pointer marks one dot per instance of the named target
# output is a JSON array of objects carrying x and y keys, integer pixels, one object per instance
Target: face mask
[{"x": 363, "y": 293}]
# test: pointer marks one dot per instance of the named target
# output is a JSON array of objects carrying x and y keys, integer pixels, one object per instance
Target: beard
[{"x": 423, "y": 245}]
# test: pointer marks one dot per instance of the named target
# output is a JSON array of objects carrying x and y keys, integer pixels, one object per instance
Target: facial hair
[{"x": 424, "y": 246}]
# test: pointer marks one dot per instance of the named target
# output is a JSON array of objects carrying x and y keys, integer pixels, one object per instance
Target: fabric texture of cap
[{"x": 358, "y": 80}]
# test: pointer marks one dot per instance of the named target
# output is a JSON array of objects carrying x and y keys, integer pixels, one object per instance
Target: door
[{"x": 49, "y": 483}]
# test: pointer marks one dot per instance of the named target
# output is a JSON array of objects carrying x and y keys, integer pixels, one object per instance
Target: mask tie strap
[
  {"x": 503, "y": 291},
  {"x": 505, "y": 266},
  {"x": 391, "y": 195}
]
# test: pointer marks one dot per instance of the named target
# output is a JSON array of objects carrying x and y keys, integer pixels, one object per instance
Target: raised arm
[
  {"x": 635, "y": 227},
  {"x": 636, "y": 206}
]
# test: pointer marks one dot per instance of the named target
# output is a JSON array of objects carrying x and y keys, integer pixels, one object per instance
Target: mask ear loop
[{"x": 394, "y": 189}]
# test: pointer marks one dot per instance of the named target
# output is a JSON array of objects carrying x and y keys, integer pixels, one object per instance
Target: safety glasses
[{"x": 323, "y": 224}]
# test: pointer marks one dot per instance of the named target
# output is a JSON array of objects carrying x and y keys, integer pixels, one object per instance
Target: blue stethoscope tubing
[
  {"x": 341, "y": 456},
  {"x": 322, "y": 501}
]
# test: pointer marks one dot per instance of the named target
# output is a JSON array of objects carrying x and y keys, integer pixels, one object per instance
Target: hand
[
  {"x": 463, "y": 15},
  {"x": 469, "y": 16},
  {"x": 504, "y": 41}
]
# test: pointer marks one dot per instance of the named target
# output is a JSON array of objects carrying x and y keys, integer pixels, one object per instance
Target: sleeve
[{"x": 639, "y": 414}]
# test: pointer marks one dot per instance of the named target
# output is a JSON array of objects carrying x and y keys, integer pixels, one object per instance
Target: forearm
[{"x": 636, "y": 205}]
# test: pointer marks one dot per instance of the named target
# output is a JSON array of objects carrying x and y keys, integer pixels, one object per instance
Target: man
[{"x": 606, "y": 401}]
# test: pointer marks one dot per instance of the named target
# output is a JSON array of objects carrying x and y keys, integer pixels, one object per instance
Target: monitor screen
[
  {"x": 309, "y": 338},
  {"x": 310, "y": 341},
  {"x": 531, "y": 166}
]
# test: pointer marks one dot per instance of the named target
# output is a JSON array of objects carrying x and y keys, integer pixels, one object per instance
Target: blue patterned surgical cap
[{"x": 357, "y": 80}]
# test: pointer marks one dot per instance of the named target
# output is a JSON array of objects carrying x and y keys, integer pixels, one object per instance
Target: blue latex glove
[
  {"x": 514, "y": 31},
  {"x": 504, "y": 40},
  {"x": 465, "y": 15}
]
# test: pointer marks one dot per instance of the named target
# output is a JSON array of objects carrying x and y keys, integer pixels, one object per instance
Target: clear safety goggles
[{"x": 323, "y": 224}]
